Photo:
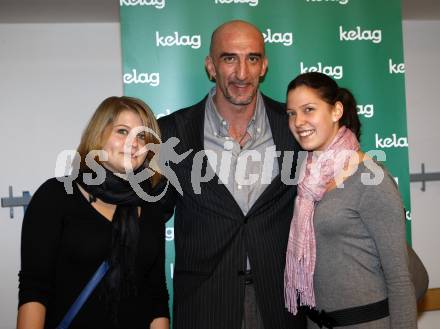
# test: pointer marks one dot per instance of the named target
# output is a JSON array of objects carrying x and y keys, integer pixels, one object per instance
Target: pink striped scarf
[{"x": 317, "y": 172}]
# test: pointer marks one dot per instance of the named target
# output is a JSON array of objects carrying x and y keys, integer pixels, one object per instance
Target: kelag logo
[
  {"x": 337, "y": 72},
  {"x": 395, "y": 68},
  {"x": 278, "y": 37},
  {"x": 178, "y": 40},
  {"x": 374, "y": 36},
  {"x": 341, "y": 2},
  {"x": 392, "y": 141},
  {"x": 162, "y": 114},
  {"x": 251, "y": 3},
  {"x": 152, "y": 79},
  {"x": 365, "y": 110},
  {"x": 158, "y": 4}
]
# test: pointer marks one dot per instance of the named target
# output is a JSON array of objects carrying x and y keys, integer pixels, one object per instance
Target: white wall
[
  {"x": 422, "y": 55},
  {"x": 54, "y": 75}
]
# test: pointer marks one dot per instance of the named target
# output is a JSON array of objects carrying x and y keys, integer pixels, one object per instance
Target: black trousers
[{"x": 251, "y": 317}]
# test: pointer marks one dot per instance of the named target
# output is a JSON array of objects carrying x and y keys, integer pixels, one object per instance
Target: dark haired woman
[
  {"x": 65, "y": 237},
  {"x": 347, "y": 259}
]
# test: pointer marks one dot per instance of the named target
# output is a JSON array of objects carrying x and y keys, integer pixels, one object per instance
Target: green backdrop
[{"x": 358, "y": 42}]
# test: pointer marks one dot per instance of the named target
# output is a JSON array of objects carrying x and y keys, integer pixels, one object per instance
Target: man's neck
[{"x": 237, "y": 116}]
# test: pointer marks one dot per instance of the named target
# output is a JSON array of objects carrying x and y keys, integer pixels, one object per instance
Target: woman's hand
[
  {"x": 31, "y": 316},
  {"x": 158, "y": 323}
]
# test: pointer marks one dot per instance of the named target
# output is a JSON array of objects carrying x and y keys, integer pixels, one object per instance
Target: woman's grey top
[{"x": 361, "y": 249}]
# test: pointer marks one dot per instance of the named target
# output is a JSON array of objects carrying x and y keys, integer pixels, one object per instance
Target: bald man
[{"x": 232, "y": 221}]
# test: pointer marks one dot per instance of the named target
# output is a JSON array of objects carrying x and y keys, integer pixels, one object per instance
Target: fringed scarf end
[{"x": 298, "y": 285}]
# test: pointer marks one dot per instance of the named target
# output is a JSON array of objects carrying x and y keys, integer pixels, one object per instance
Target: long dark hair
[{"x": 330, "y": 92}]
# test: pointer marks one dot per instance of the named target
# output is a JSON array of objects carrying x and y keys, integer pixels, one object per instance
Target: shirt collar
[{"x": 220, "y": 126}]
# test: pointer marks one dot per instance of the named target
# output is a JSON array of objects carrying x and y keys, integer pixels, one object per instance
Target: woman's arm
[
  {"x": 31, "y": 316},
  {"x": 156, "y": 277},
  {"x": 40, "y": 236},
  {"x": 381, "y": 211},
  {"x": 158, "y": 323}
]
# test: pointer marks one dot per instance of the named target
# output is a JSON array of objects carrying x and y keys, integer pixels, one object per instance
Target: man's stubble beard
[{"x": 247, "y": 101}]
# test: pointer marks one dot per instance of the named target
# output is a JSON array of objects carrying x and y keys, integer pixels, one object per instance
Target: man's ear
[
  {"x": 210, "y": 68},
  {"x": 264, "y": 66}
]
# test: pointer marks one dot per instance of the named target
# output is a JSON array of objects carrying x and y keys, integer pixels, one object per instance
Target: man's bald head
[
  {"x": 236, "y": 27},
  {"x": 237, "y": 63}
]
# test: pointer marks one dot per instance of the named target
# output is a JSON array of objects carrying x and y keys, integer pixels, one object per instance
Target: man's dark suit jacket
[{"x": 213, "y": 236}]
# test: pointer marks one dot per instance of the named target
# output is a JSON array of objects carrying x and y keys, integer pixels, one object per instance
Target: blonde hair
[{"x": 97, "y": 130}]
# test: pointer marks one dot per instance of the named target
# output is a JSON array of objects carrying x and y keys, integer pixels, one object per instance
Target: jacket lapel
[
  {"x": 191, "y": 129},
  {"x": 283, "y": 141},
  {"x": 190, "y": 126}
]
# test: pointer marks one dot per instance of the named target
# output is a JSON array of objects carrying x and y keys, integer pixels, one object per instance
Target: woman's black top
[{"x": 64, "y": 240}]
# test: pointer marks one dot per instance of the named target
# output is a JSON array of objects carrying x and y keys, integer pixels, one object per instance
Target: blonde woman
[{"x": 65, "y": 237}]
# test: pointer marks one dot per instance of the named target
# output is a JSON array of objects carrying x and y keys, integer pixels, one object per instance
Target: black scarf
[{"x": 120, "y": 281}]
